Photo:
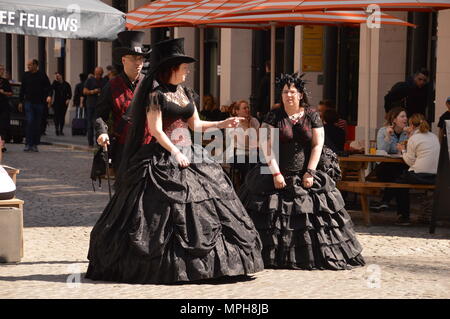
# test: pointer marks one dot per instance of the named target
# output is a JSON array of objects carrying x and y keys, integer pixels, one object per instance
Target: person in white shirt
[
  {"x": 245, "y": 137},
  {"x": 421, "y": 154}
]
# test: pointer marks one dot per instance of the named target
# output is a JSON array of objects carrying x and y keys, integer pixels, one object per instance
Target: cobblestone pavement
[{"x": 61, "y": 208}]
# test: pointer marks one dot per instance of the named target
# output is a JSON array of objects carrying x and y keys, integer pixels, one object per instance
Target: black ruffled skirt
[
  {"x": 165, "y": 225},
  {"x": 301, "y": 228}
]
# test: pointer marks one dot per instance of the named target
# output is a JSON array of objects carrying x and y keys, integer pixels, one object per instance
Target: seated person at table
[
  {"x": 421, "y": 155},
  {"x": 210, "y": 110},
  {"x": 394, "y": 131},
  {"x": 246, "y": 139},
  {"x": 329, "y": 105},
  {"x": 334, "y": 135},
  {"x": 445, "y": 116},
  {"x": 389, "y": 136}
]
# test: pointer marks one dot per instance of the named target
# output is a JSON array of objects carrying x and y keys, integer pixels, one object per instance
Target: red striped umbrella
[
  {"x": 140, "y": 17},
  {"x": 204, "y": 13},
  {"x": 274, "y": 6}
]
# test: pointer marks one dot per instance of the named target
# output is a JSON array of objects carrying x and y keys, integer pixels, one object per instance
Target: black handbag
[{"x": 100, "y": 165}]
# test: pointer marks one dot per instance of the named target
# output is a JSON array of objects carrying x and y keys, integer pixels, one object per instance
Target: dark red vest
[{"x": 122, "y": 96}]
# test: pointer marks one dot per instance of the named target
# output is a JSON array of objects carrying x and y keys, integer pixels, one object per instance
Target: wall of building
[
  {"x": 3, "y": 48},
  {"x": 443, "y": 64},
  {"x": 189, "y": 49},
  {"x": 387, "y": 65},
  {"x": 385, "y": 48},
  {"x": 235, "y": 64}
]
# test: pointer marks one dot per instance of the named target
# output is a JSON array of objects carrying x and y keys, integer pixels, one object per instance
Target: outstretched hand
[{"x": 231, "y": 122}]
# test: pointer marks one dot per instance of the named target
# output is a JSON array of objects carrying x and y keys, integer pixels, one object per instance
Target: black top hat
[
  {"x": 169, "y": 52},
  {"x": 129, "y": 43}
]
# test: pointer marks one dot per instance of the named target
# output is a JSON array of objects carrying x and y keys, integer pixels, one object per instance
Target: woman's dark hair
[
  {"x": 83, "y": 77},
  {"x": 330, "y": 116},
  {"x": 164, "y": 73},
  {"x": 392, "y": 115}
]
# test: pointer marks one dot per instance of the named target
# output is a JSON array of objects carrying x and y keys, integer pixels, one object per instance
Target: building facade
[{"x": 334, "y": 60}]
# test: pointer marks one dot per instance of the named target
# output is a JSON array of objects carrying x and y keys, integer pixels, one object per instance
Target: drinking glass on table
[{"x": 373, "y": 148}]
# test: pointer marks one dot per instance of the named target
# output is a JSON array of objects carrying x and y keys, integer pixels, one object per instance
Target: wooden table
[{"x": 354, "y": 170}]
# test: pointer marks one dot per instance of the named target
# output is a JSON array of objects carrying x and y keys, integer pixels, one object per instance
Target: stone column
[
  {"x": 387, "y": 47},
  {"x": 236, "y": 62},
  {"x": 52, "y": 61},
  {"x": 104, "y": 54},
  {"x": 443, "y": 65},
  {"x": 189, "y": 48},
  {"x": 74, "y": 66},
  {"x": 3, "y": 48},
  {"x": 14, "y": 56},
  {"x": 31, "y": 48}
]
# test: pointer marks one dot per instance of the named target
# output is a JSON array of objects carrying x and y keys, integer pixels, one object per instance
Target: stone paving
[{"x": 61, "y": 208}]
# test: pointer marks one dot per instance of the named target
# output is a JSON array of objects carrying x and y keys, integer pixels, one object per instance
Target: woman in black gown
[
  {"x": 175, "y": 216},
  {"x": 296, "y": 206}
]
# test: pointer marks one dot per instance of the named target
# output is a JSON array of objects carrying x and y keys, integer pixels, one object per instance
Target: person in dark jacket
[
  {"x": 411, "y": 94},
  {"x": 92, "y": 90},
  {"x": 34, "y": 93},
  {"x": 117, "y": 94},
  {"x": 263, "y": 94},
  {"x": 5, "y": 93},
  {"x": 334, "y": 135},
  {"x": 79, "y": 99},
  {"x": 60, "y": 94}
]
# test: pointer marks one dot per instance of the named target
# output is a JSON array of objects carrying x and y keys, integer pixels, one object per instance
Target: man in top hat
[{"x": 117, "y": 94}]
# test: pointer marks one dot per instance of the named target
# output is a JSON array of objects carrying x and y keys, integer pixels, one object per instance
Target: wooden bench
[
  {"x": 365, "y": 188},
  {"x": 15, "y": 202}
]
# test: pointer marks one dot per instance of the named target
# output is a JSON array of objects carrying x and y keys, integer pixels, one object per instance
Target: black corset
[{"x": 293, "y": 157}]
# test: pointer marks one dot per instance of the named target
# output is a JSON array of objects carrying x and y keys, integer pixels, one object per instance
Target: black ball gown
[
  {"x": 167, "y": 224},
  {"x": 300, "y": 228}
]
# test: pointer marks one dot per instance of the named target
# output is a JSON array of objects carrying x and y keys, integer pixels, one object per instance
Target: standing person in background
[
  {"x": 445, "y": 116},
  {"x": 263, "y": 94},
  {"x": 118, "y": 93},
  {"x": 111, "y": 72},
  {"x": 92, "y": 90},
  {"x": 334, "y": 135},
  {"x": 34, "y": 94},
  {"x": 245, "y": 137},
  {"x": 79, "y": 99},
  {"x": 60, "y": 95},
  {"x": 411, "y": 94},
  {"x": 5, "y": 93}
]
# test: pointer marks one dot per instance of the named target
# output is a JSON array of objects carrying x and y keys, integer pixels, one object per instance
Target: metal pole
[
  {"x": 369, "y": 82},
  {"x": 202, "y": 65},
  {"x": 272, "y": 63}
]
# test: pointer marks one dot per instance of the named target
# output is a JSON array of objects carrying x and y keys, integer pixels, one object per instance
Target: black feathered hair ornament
[
  {"x": 296, "y": 80},
  {"x": 289, "y": 79}
]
